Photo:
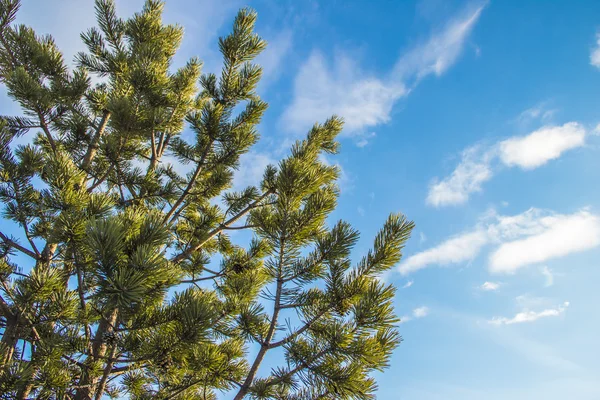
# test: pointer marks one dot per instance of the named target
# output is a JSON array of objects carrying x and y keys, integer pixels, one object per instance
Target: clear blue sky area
[{"x": 478, "y": 120}]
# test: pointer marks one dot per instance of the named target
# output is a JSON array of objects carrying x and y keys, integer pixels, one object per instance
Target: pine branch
[
  {"x": 106, "y": 374},
  {"x": 95, "y": 142},
  {"x": 274, "y": 317},
  {"x": 21, "y": 314},
  {"x": 185, "y": 193},
  {"x": 300, "y": 331},
  {"x": 46, "y": 130},
  {"x": 5, "y": 308},
  {"x": 82, "y": 302},
  {"x": 24, "y": 250},
  {"x": 101, "y": 180},
  {"x": 257, "y": 203},
  {"x": 237, "y": 228}
]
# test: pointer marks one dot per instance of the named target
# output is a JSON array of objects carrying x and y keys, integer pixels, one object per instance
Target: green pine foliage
[{"x": 123, "y": 281}]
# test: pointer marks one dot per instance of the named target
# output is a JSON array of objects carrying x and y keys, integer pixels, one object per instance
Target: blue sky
[{"x": 478, "y": 120}]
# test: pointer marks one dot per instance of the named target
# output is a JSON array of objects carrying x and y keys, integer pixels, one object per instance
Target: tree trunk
[
  {"x": 9, "y": 340},
  {"x": 89, "y": 380}
]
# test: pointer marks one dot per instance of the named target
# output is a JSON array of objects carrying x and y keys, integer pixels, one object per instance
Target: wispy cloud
[
  {"x": 408, "y": 284},
  {"x": 342, "y": 87},
  {"x": 539, "y": 112},
  {"x": 541, "y": 146},
  {"x": 442, "y": 50},
  {"x": 321, "y": 89},
  {"x": 364, "y": 139},
  {"x": 419, "y": 312},
  {"x": 490, "y": 286},
  {"x": 530, "y": 316},
  {"x": 473, "y": 170},
  {"x": 479, "y": 163},
  {"x": 595, "y": 54},
  {"x": 563, "y": 234},
  {"x": 532, "y": 237},
  {"x": 455, "y": 250}
]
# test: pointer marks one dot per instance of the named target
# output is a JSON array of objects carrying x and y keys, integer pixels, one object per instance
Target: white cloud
[
  {"x": 360, "y": 211},
  {"x": 530, "y": 316},
  {"x": 531, "y": 237},
  {"x": 478, "y": 163},
  {"x": 321, "y": 90},
  {"x": 547, "y": 273},
  {"x": 539, "y": 112},
  {"x": 408, "y": 284},
  {"x": 564, "y": 234},
  {"x": 455, "y": 250},
  {"x": 595, "y": 55},
  {"x": 541, "y": 146},
  {"x": 419, "y": 312},
  {"x": 363, "y": 140},
  {"x": 490, "y": 286},
  {"x": 342, "y": 87},
  {"x": 441, "y": 51},
  {"x": 471, "y": 172}
]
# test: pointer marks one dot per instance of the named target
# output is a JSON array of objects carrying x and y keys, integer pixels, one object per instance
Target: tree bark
[
  {"x": 89, "y": 381},
  {"x": 9, "y": 340}
]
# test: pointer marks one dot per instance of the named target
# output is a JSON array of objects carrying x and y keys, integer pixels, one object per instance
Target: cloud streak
[
  {"x": 342, "y": 87},
  {"x": 532, "y": 237},
  {"x": 595, "y": 54},
  {"x": 467, "y": 178},
  {"x": 490, "y": 286},
  {"x": 419, "y": 312},
  {"x": 563, "y": 235},
  {"x": 530, "y": 316},
  {"x": 458, "y": 249},
  {"x": 478, "y": 164},
  {"x": 541, "y": 146}
]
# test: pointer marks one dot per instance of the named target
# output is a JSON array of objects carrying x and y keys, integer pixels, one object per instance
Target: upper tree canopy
[{"x": 117, "y": 274}]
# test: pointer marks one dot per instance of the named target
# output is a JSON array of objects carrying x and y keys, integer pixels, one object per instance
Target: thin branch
[
  {"x": 106, "y": 373},
  {"x": 181, "y": 256},
  {"x": 80, "y": 289},
  {"x": 185, "y": 193},
  {"x": 204, "y": 278},
  {"x": 274, "y": 317},
  {"x": 17, "y": 246},
  {"x": 7, "y": 290},
  {"x": 95, "y": 143},
  {"x": 47, "y": 131},
  {"x": 101, "y": 179},
  {"x": 236, "y": 228},
  {"x": 300, "y": 331}
]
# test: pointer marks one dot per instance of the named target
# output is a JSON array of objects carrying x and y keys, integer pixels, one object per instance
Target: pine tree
[{"x": 123, "y": 281}]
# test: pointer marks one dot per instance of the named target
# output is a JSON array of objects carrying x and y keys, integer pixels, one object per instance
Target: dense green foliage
[{"x": 122, "y": 280}]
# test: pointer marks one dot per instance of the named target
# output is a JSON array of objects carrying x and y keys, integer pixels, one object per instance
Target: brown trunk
[
  {"x": 9, "y": 340},
  {"x": 89, "y": 382},
  {"x": 95, "y": 143},
  {"x": 24, "y": 392}
]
